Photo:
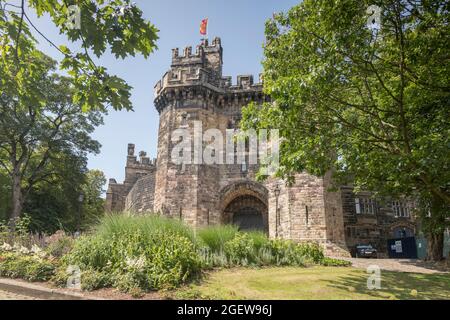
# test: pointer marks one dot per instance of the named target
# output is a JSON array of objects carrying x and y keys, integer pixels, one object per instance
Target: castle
[{"x": 194, "y": 89}]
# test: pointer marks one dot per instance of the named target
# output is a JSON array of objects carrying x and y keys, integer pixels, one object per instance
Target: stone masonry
[{"x": 193, "y": 90}]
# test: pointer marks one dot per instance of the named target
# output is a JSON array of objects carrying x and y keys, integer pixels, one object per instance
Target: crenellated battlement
[
  {"x": 203, "y": 69},
  {"x": 136, "y": 169},
  {"x": 186, "y": 77},
  {"x": 202, "y": 51},
  {"x": 143, "y": 162}
]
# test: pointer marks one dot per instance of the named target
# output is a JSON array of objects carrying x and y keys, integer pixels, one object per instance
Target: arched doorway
[
  {"x": 247, "y": 213},
  {"x": 402, "y": 232},
  {"x": 245, "y": 205}
]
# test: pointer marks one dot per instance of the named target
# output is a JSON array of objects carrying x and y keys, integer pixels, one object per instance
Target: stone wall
[
  {"x": 140, "y": 197},
  {"x": 376, "y": 228},
  {"x": 117, "y": 195}
]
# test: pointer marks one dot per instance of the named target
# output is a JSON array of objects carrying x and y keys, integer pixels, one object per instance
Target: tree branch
[{"x": 22, "y": 14}]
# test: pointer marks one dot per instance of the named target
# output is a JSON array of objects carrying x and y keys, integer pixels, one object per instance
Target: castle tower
[
  {"x": 194, "y": 96},
  {"x": 194, "y": 91}
]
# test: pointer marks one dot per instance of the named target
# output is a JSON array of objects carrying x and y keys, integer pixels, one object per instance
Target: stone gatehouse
[{"x": 194, "y": 89}]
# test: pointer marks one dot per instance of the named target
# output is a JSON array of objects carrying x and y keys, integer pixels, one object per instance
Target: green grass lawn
[{"x": 314, "y": 283}]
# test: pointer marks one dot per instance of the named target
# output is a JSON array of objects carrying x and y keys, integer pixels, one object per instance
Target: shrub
[
  {"x": 116, "y": 224},
  {"x": 90, "y": 252},
  {"x": 287, "y": 253},
  {"x": 254, "y": 248},
  {"x": 240, "y": 250},
  {"x": 21, "y": 233},
  {"x": 93, "y": 280},
  {"x": 332, "y": 262},
  {"x": 311, "y": 251},
  {"x": 138, "y": 255},
  {"x": 210, "y": 259},
  {"x": 31, "y": 268},
  {"x": 60, "y": 276},
  {"x": 12, "y": 266},
  {"x": 60, "y": 246},
  {"x": 215, "y": 237},
  {"x": 260, "y": 239}
]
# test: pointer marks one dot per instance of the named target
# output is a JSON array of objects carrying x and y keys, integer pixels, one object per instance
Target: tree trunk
[
  {"x": 435, "y": 247},
  {"x": 17, "y": 199},
  {"x": 434, "y": 223}
]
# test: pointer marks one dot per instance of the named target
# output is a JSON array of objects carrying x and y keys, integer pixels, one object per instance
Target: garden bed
[{"x": 138, "y": 255}]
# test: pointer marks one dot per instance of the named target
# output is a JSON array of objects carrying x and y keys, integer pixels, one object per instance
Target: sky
[{"x": 239, "y": 24}]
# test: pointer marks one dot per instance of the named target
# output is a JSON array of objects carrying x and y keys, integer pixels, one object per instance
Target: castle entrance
[
  {"x": 247, "y": 212},
  {"x": 245, "y": 205}
]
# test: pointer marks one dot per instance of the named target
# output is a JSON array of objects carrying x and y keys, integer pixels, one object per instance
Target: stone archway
[
  {"x": 402, "y": 229},
  {"x": 245, "y": 205}
]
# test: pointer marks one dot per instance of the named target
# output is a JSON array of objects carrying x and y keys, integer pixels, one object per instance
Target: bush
[
  {"x": 260, "y": 239},
  {"x": 254, "y": 248},
  {"x": 332, "y": 262},
  {"x": 31, "y": 268},
  {"x": 287, "y": 253},
  {"x": 215, "y": 237},
  {"x": 312, "y": 251},
  {"x": 116, "y": 224},
  {"x": 93, "y": 280},
  {"x": 60, "y": 276},
  {"x": 21, "y": 234},
  {"x": 240, "y": 250},
  {"x": 138, "y": 255},
  {"x": 60, "y": 246}
]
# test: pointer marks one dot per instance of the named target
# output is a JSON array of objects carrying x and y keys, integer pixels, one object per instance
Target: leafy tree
[
  {"x": 55, "y": 206},
  {"x": 40, "y": 112},
  {"x": 368, "y": 101},
  {"x": 52, "y": 203},
  {"x": 94, "y": 204},
  {"x": 35, "y": 135},
  {"x": 114, "y": 25}
]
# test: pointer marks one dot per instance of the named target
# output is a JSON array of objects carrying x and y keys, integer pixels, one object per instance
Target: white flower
[
  {"x": 138, "y": 263},
  {"x": 37, "y": 251},
  {"x": 24, "y": 250},
  {"x": 6, "y": 247}
]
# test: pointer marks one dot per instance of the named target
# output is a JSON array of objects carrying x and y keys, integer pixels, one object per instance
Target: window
[
  {"x": 400, "y": 209},
  {"x": 365, "y": 205},
  {"x": 307, "y": 215}
]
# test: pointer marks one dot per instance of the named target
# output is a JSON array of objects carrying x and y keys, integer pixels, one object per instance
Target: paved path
[
  {"x": 402, "y": 265},
  {"x": 5, "y": 295}
]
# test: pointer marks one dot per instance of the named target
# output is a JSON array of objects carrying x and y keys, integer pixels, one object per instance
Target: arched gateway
[{"x": 245, "y": 204}]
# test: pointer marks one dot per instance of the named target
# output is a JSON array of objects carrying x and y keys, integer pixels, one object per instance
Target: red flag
[{"x": 204, "y": 26}]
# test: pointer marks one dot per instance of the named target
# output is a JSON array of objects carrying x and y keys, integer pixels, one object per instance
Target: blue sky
[{"x": 240, "y": 24}]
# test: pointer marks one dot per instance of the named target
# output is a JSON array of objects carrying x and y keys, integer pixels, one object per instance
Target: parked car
[{"x": 365, "y": 251}]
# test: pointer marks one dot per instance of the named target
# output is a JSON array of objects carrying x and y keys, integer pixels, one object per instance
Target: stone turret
[
  {"x": 206, "y": 56},
  {"x": 136, "y": 170}
]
